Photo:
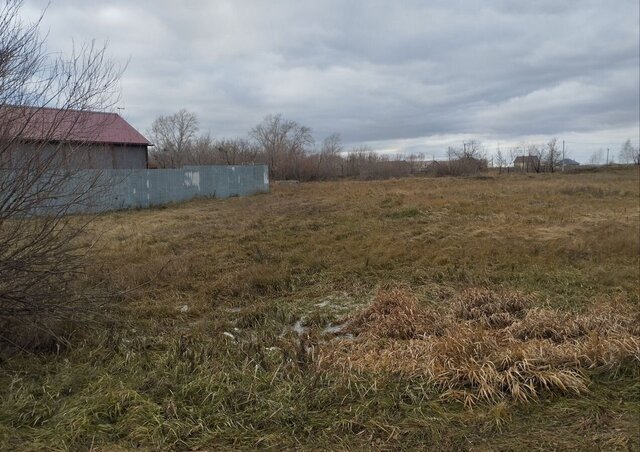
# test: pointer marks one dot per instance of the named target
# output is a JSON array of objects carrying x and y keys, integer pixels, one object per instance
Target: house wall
[
  {"x": 83, "y": 156},
  {"x": 529, "y": 163},
  {"x": 114, "y": 156}
]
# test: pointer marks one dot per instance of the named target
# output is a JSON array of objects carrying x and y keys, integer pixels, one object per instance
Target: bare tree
[
  {"x": 597, "y": 157},
  {"x": 465, "y": 160},
  {"x": 237, "y": 151},
  {"x": 329, "y": 158},
  {"x": 201, "y": 151},
  {"x": 173, "y": 137},
  {"x": 332, "y": 145},
  {"x": 501, "y": 160},
  {"x": 284, "y": 143},
  {"x": 537, "y": 155},
  {"x": 629, "y": 153},
  {"x": 41, "y": 103},
  {"x": 552, "y": 156},
  {"x": 471, "y": 149}
]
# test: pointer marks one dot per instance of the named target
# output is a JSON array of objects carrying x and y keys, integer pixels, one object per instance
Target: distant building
[
  {"x": 83, "y": 139},
  {"x": 527, "y": 162},
  {"x": 568, "y": 163},
  {"x": 425, "y": 166}
]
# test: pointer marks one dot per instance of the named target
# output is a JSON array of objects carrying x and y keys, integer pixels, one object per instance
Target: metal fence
[
  {"x": 146, "y": 188},
  {"x": 90, "y": 191}
]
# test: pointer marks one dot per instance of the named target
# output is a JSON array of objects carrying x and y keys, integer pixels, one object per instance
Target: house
[
  {"x": 425, "y": 166},
  {"x": 568, "y": 163},
  {"x": 527, "y": 162},
  {"x": 80, "y": 139}
]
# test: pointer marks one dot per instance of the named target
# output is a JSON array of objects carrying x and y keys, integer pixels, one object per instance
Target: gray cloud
[{"x": 401, "y": 76}]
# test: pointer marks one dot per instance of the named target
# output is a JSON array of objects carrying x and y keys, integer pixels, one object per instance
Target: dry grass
[
  {"x": 558, "y": 328},
  {"x": 395, "y": 315},
  {"x": 491, "y": 309},
  {"x": 486, "y": 345}
]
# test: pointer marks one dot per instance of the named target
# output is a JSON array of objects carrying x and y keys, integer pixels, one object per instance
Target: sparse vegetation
[{"x": 438, "y": 313}]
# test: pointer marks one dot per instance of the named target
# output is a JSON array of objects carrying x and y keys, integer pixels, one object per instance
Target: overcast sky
[{"x": 401, "y": 76}]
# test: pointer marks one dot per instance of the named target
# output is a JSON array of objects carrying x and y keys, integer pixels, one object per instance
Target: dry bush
[
  {"x": 42, "y": 101},
  {"x": 459, "y": 167},
  {"x": 487, "y": 346}
]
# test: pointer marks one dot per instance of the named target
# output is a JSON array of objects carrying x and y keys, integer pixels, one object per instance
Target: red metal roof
[{"x": 50, "y": 124}]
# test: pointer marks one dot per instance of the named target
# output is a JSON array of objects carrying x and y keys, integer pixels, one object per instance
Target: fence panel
[{"x": 87, "y": 191}]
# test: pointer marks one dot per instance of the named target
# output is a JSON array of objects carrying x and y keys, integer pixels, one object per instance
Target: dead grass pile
[
  {"x": 395, "y": 314},
  {"x": 492, "y": 309},
  {"x": 556, "y": 326},
  {"x": 487, "y": 346}
]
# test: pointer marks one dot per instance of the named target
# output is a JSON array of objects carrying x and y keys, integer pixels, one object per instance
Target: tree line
[
  {"x": 628, "y": 154},
  {"x": 291, "y": 152}
]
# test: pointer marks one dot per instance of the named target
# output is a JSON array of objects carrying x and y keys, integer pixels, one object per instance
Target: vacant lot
[{"x": 492, "y": 313}]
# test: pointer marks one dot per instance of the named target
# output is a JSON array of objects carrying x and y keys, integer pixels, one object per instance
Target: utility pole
[
  {"x": 563, "y": 156},
  {"x": 607, "y": 156}
]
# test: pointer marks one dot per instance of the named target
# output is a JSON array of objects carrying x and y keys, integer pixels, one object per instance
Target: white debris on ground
[
  {"x": 299, "y": 327},
  {"x": 339, "y": 303},
  {"x": 334, "y": 329}
]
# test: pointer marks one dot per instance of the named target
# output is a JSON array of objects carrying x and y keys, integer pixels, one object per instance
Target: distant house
[
  {"x": 568, "y": 163},
  {"x": 82, "y": 139},
  {"x": 527, "y": 162},
  {"x": 425, "y": 166}
]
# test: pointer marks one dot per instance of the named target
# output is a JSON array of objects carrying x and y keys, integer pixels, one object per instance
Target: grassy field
[{"x": 489, "y": 313}]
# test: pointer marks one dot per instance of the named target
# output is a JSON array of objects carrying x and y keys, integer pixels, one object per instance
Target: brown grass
[
  {"x": 486, "y": 345},
  {"x": 491, "y": 309},
  {"x": 395, "y": 315},
  {"x": 231, "y": 373}
]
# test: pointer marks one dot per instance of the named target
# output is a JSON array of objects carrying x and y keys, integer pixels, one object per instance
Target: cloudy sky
[{"x": 402, "y": 76}]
